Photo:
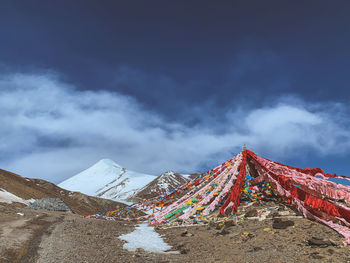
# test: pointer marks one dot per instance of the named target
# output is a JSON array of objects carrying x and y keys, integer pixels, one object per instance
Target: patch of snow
[
  {"x": 8, "y": 198},
  {"x": 31, "y": 200},
  {"x": 123, "y": 201},
  {"x": 20, "y": 214},
  {"x": 146, "y": 238},
  {"x": 163, "y": 185}
]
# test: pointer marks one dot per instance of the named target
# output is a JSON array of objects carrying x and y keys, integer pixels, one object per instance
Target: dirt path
[
  {"x": 45, "y": 222},
  {"x": 20, "y": 236},
  {"x": 13, "y": 235}
]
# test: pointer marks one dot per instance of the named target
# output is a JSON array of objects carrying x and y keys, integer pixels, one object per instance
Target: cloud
[{"x": 51, "y": 130}]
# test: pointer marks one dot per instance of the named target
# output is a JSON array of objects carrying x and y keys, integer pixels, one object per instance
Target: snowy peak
[
  {"x": 163, "y": 183},
  {"x": 107, "y": 179},
  {"x": 107, "y": 162},
  {"x": 168, "y": 174}
]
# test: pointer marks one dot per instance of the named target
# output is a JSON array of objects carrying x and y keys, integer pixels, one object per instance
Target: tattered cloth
[{"x": 219, "y": 191}]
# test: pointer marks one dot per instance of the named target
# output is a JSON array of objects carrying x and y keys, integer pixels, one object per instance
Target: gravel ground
[
  {"x": 47, "y": 237},
  {"x": 253, "y": 241},
  {"x": 89, "y": 240}
]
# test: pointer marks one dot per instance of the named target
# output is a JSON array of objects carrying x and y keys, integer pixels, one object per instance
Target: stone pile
[{"x": 51, "y": 204}]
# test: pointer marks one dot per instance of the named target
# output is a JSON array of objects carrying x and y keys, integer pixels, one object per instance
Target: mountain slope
[
  {"x": 108, "y": 180},
  {"x": 163, "y": 183},
  {"x": 16, "y": 189}
]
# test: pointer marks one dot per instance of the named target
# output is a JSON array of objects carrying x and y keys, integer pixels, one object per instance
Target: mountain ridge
[
  {"x": 107, "y": 179},
  {"x": 163, "y": 183}
]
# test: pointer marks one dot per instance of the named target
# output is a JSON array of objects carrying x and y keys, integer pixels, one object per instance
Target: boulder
[{"x": 280, "y": 224}]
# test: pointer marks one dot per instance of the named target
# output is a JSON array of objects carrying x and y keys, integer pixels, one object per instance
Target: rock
[
  {"x": 223, "y": 231},
  {"x": 255, "y": 249},
  {"x": 319, "y": 242},
  {"x": 229, "y": 223},
  {"x": 251, "y": 212},
  {"x": 330, "y": 251},
  {"x": 233, "y": 235},
  {"x": 316, "y": 255},
  {"x": 247, "y": 235},
  {"x": 279, "y": 224},
  {"x": 186, "y": 234},
  {"x": 180, "y": 245},
  {"x": 218, "y": 226},
  {"x": 139, "y": 252},
  {"x": 212, "y": 224},
  {"x": 184, "y": 250}
]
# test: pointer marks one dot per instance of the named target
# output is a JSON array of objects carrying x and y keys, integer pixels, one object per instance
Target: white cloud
[{"x": 51, "y": 130}]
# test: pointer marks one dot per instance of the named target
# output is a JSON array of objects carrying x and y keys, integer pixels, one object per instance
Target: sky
[{"x": 172, "y": 85}]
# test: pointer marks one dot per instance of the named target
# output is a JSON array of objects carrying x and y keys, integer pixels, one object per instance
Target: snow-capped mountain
[
  {"x": 163, "y": 183},
  {"x": 108, "y": 180}
]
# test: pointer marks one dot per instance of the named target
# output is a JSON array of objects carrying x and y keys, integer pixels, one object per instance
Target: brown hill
[{"x": 28, "y": 188}]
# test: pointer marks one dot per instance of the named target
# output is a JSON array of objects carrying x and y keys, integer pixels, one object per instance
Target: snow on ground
[
  {"x": 31, "y": 200},
  {"x": 146, "y": 238},
  {"x": 123, "y": 201},
  {"x": 7, "y": 197}
]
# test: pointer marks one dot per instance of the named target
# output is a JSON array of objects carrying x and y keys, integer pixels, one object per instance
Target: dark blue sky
[
  {"x": 283, "y": 46},
  {"x": 194, "y": 62}
]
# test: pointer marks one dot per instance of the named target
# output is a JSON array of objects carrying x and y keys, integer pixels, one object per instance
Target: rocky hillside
[
  {"x": 193, "y": 176},
  {"x": 18, "y": 190},
  {"x": 109, "y": 180},
  {"x": 163, "y": 183}
]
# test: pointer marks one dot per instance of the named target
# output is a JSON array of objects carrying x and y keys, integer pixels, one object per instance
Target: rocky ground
[{"x": 46, "y": 236}]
